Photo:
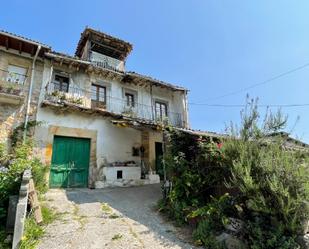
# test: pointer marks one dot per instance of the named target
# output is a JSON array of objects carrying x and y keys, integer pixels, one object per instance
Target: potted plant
[{"x": 17, "y": 91}]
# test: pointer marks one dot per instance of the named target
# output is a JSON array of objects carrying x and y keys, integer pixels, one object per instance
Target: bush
[
  {"x": 10, "y": 174},
  {"x": 264, "y": 235},
  {"x": 269, "y": 185},
  {"x": 204, "y": 235}
]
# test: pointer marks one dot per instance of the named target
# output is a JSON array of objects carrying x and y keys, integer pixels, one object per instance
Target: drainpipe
[
  {"x": 30, "y": 93},
  {"x": 151, "y": 99}
]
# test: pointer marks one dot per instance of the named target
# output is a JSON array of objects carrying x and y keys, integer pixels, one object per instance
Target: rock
[
  {"x": 153, "y": 178},
  {"x": 230, "y": 241},
  {"x": 234, "y": 225},
  {"x": 303, "y": 241},
  {"x": 8, "y": 239},
  {"x": 304, "y": 227}
]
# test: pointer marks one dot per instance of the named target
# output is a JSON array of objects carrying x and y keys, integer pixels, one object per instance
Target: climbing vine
[{"x": 17, "y": 134}]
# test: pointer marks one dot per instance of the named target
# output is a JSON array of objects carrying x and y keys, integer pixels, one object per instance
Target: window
[
  {"x": 130, "y": 99},
  {"x": 161, "y": 110},
  {"x": 61, "y": 83},
  {"x": 16, "y": 74},
  {"x": 98, "y": 93},
  {"x": 119, "y": 174}
]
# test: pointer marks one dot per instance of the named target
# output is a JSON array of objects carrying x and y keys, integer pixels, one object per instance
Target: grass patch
[
  {"x": 114, "y": 216},
  {"x": 75, "y": 211},
  {"x": 117, "y": 236},
  {"x": 106, "y": 208},
  {"x": 49, "y": 216},
  {"x": 33, "y": 232}
]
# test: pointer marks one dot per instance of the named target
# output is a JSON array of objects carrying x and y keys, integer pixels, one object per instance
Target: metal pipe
[{"x": 30, "y": 93}]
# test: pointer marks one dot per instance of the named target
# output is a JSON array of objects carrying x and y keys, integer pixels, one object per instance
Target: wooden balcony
[{"x": 81, "y": 98}]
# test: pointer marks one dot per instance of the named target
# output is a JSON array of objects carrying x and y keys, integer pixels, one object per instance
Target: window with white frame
[
  {"x": 160, "y": 110},
  {"x": 16, "y": 74}
]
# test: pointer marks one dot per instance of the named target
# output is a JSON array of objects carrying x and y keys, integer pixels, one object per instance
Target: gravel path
[{"x": 110, "y": 218}]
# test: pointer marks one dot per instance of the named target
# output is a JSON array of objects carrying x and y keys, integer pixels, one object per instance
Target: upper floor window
[
  {"x": 61, "y": 83},
  {"x": 161, "y": 110},
  {"x": 16, "y": 74},
  {"x": 130, "y": 102},
  {"x": 98, "y": 93}
]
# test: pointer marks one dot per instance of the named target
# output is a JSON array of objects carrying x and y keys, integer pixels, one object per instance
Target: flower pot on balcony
[
  {"x": 10, "y": 90},
  {"x": 16, "y": 91}
]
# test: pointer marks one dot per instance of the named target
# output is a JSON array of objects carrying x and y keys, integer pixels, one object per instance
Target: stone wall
[{"x": 13, "y": 115}]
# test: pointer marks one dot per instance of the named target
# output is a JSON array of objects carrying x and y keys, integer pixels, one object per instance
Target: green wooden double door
[{"x": 70, "y": 162}]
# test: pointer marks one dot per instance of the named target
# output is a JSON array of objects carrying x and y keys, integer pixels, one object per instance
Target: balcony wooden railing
[{"x": 82, "y": 97}]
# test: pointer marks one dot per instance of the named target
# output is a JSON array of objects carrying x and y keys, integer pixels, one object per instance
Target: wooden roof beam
[
  {"x": 20, "y": 47},
  {"x": 108, "y": 47},
  {"x": 7, "y": 43}
]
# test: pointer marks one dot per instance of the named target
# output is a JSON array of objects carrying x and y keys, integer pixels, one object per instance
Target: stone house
[{"x": 100, "y": 124}]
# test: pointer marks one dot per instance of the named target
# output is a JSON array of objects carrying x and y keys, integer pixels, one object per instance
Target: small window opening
[{"x": 119, "y": 174}]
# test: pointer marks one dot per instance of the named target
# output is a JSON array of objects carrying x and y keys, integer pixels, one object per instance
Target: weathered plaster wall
[
  {"x": 11, "y": 115},
  {"x": 112, "y": 143},
  {"x": 115, "y": 91}
]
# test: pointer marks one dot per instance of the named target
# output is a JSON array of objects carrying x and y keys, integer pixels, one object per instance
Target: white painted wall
[
  {"x": 128, "y": 173},
  {"x": 113, "y": 143}
]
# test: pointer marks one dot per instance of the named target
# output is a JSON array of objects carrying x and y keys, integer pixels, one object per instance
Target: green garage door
[{"x": 70, "y": 162}]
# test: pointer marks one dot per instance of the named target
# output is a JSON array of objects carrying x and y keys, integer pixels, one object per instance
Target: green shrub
[
  {"x": 212, "y": 219},
  {"x": 264, "y": 235},
  {"x": 267, "y": 182},
  {"x": 216, "y": 212},
  {"x": 10, "y": 176},
  {"x": 204, "y": 235},
  {"x": 39, "y": 170}
]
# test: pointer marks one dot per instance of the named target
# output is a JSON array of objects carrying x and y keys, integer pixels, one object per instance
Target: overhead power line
[
  {"x": 260, "y": 83},
  {"x": 240, "y": 105}
]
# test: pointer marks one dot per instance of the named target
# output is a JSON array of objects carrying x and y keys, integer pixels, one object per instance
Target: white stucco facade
[
  {"x": 90, "y": 98},
  {"x": 111, "y": 143}
]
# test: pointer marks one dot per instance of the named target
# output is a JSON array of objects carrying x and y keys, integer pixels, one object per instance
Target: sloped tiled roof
[
  {"x": 24, "y": 38},
  {"x": 122, "y": 46},
  {"x": 126, "y": 46}
]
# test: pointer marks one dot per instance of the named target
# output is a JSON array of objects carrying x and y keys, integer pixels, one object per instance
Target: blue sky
[{"x": 212, "y": 47}]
